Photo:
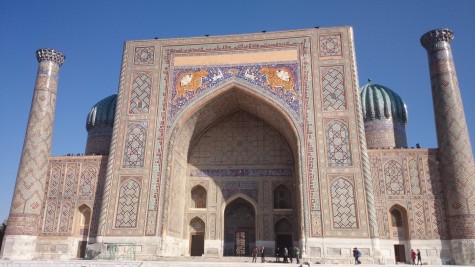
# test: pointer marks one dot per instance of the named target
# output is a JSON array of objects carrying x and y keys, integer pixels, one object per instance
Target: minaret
[
  {"x": 455, "y": 151},
  {"x": 25, "y": 213}
]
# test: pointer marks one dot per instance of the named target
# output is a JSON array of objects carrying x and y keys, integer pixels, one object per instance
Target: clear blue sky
[{"x": 91, "y": 35}]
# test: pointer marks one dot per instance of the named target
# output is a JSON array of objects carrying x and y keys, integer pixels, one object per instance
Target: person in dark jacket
[{"x": 357, "y": 255}]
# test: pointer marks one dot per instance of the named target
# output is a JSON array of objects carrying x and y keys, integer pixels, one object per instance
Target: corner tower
[
  {"x": 455, "y": 151},
  {"x": 25, "y": 212}
]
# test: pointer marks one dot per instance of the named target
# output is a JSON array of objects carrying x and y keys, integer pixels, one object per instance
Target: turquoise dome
[
  {"x": 380, "y": 102},
  {"x": 102, "y": 113}
]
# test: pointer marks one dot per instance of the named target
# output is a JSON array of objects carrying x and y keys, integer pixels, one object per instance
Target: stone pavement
[{"x": 166, "y": 263}]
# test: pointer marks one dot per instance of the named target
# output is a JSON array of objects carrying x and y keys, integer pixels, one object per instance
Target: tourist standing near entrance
[
  {"x": 254, "y": 254},
  {"x": 413, "y": 257},
  {"x": 297, "y": 254},
  {"x": 277, "y": 254},
  {"x": 286, "y": 254},
  {"x": 263, "y": 249},
  {"x": 357, "y": 255},
  {"x": 419, "y": 260}
]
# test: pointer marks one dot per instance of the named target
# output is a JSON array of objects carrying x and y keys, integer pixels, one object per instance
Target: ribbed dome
[
  {"x": 380, "y": 102},
  {"x": 102, "y": 113}
]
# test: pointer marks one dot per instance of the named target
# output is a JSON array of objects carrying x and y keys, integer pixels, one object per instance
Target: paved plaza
[{"x": 176, "y": 262}]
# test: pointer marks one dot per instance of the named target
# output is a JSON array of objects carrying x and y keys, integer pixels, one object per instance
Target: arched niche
[
  {"x": 239, "y": 227},
  {"x": 282, "y": 197},
  {"x": 81, "y": 229},
  {"x": 194, "y": 120},
  {"x": 198, "y": 197}
]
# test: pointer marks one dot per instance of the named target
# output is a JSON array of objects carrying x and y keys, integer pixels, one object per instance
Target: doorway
[
  {"x": 283, "y": 240},
  {"x": 197, "y": 244},
  {"x": 239, "y": 228},
  {"x": 400, "y": 253}
]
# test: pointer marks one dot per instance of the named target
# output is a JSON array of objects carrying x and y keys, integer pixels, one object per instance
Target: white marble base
[
  {"x": 463, "y": 251},
  {"x": 18, "y": 247}
]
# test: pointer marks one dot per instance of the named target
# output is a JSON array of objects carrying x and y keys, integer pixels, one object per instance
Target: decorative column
[
  {"x": 30, "y": 189},
  {"x": 455, "y": 151}
]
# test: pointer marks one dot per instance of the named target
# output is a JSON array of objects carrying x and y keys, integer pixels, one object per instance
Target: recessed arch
[
  {"x": 82, "y": 224},
  {"x": 190, "y": 124},
  {"x": 398, "y": 222},
  {"x": 198, "y": 197},
  {"x": 239, "y": 227},
  {"x": 282, "y": 197}
]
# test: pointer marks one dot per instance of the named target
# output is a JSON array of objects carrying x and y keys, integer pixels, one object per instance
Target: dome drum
[
  {"x": 99, "y": 124},
  {"x": 385, "y": 117}
]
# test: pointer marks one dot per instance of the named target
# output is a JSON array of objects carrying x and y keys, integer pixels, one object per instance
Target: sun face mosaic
[{"x": 281, "y": 80}]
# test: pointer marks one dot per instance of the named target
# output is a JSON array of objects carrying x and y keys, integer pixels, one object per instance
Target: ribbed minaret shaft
[
  {"x": 25, "y": 211},
  {"x": 455, "y": 151}
]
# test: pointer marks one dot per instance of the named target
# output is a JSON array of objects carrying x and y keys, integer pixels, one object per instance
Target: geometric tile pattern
[
  {"x": 240, "y": 139},
  {"x": 419, "y": 218},
  {"x": 343, "y": 204},
  {"x": 414, "y": 177},
  {"x": 333, "y": 88},
  {"x": 59, "y": 206},
  {"x": 135, "y": 146},
  {"x": 330, "y": 45},
  {"x": 144, "y": 55},
  {"x": 72, "y": 175},
  {"x": 86, "y": 187},
  {"x": 50, "y": 217},
  {"x": 33, "y": 170},
  {"x": 128, "y": 204},
  {"x": 140, "y": 95},
  {"x": 394, "y": 178},
  {"x": 338, "y": 144},
  {"x": 423, "y": 202},
  {"x": 66, "y": 217},
  {"x": 55, "y": 181},
  {"x": 456, "y": 155}
]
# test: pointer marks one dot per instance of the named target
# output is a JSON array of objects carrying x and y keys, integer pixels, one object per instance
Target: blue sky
[{"x": 91, "y": 35}]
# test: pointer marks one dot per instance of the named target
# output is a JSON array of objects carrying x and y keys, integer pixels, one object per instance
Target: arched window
[
  {"x": 198, "y": 197},
  {"x": 396, "y": 218},
  {"x": 282, "y": 198}
]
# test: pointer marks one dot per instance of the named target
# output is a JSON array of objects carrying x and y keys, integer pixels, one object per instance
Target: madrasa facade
[{"x": 215, "y": 145}]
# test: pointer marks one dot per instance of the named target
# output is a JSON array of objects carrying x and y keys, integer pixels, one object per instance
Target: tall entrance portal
[
  {"x": 241, "y": 179},
  {"x": 239, "y": 228}
]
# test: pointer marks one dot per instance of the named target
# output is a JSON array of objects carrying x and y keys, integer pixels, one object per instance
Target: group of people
[
  {"x": 416, "y": 257},
  {"x": 286, "y": 253},
  {"x": 257, "y": 251}
]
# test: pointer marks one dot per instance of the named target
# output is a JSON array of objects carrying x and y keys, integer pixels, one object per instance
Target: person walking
[
  {"x": 263, "y": 250},
  {"x": 413, "y": 257},
  {"x": 419, "y": 260},
  {"x": 286, "y": 254},
  {"x": 356, "y": 255},
  {"x": 297, "y": 254}
]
